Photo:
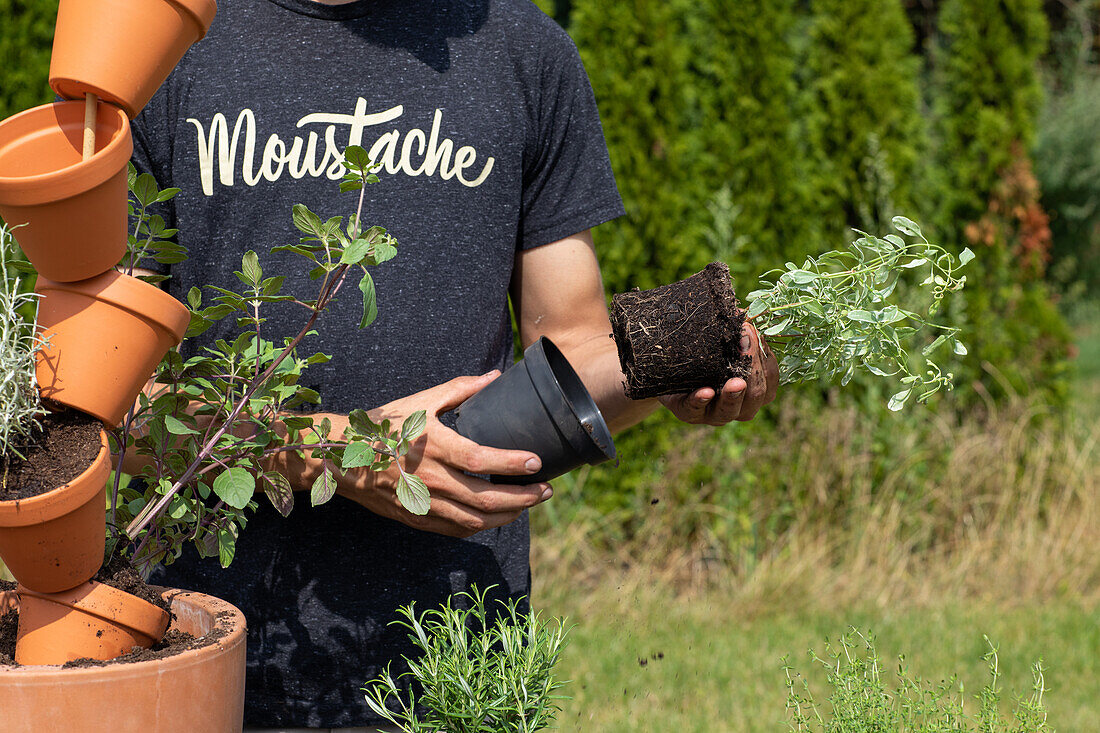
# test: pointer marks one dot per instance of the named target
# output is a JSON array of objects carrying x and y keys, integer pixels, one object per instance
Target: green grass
[
  {"x": 1086, "y": 329},
  {"x": 711, "y": 665}
]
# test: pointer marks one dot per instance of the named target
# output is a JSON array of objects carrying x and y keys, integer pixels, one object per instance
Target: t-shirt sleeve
[{"x": 568, "y": 185}]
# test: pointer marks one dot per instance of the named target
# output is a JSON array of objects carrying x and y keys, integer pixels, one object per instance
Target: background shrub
[{"x": 25, "y": 43}]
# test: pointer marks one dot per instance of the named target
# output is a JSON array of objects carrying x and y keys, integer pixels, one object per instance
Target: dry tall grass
[{"x": 1001, "y": 505}]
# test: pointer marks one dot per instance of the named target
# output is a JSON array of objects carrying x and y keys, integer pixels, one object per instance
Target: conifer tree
[
  {"x": 25, "y": 45},
  {"x": 987, "y": 94},
  {"x": 862, "y": 114},
  {"x": 639, "y": 59},
  {"x": 987, "y": 98},
  {"x": 745, "y": 82}
]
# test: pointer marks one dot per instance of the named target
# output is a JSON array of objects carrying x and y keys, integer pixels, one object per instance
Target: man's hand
[
  {"x": 738, "y": 399},
  {"x": 461, "y": 505}
]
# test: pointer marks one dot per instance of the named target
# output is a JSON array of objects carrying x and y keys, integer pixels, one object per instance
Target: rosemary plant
[
  {"x": 474, "y": 677},
  {"x": 835, "y": 314},
  {"x": 19, "y": 403}
]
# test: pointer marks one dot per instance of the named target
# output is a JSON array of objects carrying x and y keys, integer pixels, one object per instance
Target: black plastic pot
[{"x": 539, "y": 405}]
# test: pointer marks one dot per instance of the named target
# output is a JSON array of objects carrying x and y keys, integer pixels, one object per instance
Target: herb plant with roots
[
  {"x": 833, "y": 315},
  {"x": 208, "y": 427}
]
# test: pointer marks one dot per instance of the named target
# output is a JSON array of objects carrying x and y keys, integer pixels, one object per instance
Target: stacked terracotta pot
[{"x": 105, "y": 332}]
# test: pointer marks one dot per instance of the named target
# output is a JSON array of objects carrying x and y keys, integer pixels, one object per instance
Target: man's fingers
[
  {"x": 690, "y": 407},
  {"x": 756, "y": 395},
  {"x": 463, "y": 506},
  {"x": 729, "y": 403},
  {"x": 453, "y": 393},
  {"x": 452, "y": 449}
]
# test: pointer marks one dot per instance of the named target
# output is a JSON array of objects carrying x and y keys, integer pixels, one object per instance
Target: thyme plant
[
  {"x": 19, "y": 402},
  {"x": 208, "y": 427},
  {"x": 861, "y": 700},
  {"x": 834, "y": 315},
  {"x": 474, "y": 677}
]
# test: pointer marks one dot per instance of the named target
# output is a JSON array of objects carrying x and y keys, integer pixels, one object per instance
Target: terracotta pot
[
  {"x": 55, "y": 541},
  {"x": 74, "y": 209},
  {"x": 105, "y": 337},
  {"x": 123, "y": 50},
  {"x": 92, "y": 621},
  {"x": 197, "y": 690}
]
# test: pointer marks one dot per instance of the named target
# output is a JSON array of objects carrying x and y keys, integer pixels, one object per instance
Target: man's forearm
[{"x": 596, "y": 361}]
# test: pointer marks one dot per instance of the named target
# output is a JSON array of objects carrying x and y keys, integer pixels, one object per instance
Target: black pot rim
[{"x": 554, "y": 377}]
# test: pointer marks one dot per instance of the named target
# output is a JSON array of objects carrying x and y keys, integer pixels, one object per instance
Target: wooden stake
[{"x": 91, "y": 101}]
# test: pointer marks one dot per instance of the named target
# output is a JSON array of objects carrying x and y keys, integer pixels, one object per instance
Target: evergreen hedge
[{"x": 25, "y": 44}]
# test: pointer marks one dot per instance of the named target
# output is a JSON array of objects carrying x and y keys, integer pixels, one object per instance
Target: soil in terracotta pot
[
  {"x": 63, "y": 449},
  {"x": 9, "y": 627},
  {"x": 680, "y": 337},
  {"x": 117, "y": 572},
  {"x": 174, "y": 641}
]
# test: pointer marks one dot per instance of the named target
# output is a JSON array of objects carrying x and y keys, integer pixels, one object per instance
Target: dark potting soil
[
  {"x": 174, "y": 641},
  {"x": 63, "y": 449},
  {"x": 9, "y": 625},
  {"x": 680, "y": 337},
  {"x": 117, "y": 572}
]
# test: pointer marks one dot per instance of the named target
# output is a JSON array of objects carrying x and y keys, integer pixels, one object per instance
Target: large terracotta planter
[
  {"x": 93, "y": 621},
  {"x": 198, "y": 690},
  {"x": 105, "y": 337},
  {"x": 74, "y": 209},
  {"x": 123, "y": 50},
  {"x": 55, "y": 541}
]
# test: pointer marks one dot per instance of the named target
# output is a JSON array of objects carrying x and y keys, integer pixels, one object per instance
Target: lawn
[{"x": 649, "y": 660}]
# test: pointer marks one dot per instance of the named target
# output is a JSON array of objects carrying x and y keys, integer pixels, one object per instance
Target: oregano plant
[
  {"x": 209, "y": 426},
  {"x": 837, "y": 313}
]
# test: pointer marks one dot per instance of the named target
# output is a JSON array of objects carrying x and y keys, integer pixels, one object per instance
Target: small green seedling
[{"x": 862, "y": 700}]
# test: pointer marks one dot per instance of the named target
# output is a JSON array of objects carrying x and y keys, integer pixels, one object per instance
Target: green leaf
[
  {"x": 306, "y": 221},
  {"x": 175, "y": 427},
  {"x": 898, "y": 401},
  {"x": 802, "y": 277},
  {"x": 414, "y": 425},
  {"x": 384, "y": 251},
  {"x": 906, "y": 226},
  {"x": 324, "y": 488},
  {"x": 250, "y": 266},
  {"x": 355, "y": 252},
  {"x": 361, "y": 423},
  {"x": 356, "y": 157},
  {"x": 167, "y": 194},
  {"x": 777, "y": 328},
  {"x": 194, "y": 298},
  {"x": 235, "y": 487},
  {"x": 227, "y": 545},
  {"x": 934, "y": 345},
  {"x": 357, "y": 455},
  {"x": 278, "y": 491},
  {"x": 960, "y": 349},
  {"x": 756, "y": 308},
  {"x": 413, "y": 494},
  {"x": 370, "y": 302},
  {"x": 965, "y": 256},
  {"x": 861, "y": 316},
  {"x": 145, "y": 189}
]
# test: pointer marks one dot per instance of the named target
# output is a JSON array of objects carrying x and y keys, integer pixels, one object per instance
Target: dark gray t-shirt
[{"x": 485, "y": 122}]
